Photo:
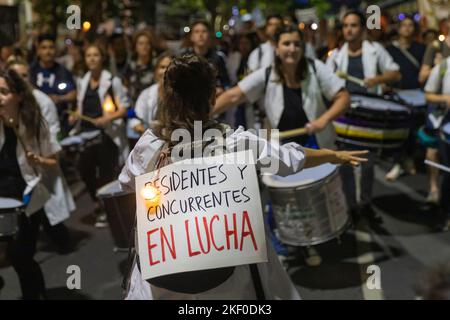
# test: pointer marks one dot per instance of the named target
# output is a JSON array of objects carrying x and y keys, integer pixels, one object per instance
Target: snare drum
[
  {"x": 309, "y": 207},
  {"x": 414, "y": 97},
  {"x": 91, "y": 138},
  {"x": 120, "y": 208},
  {"x": 374, "y": 123},
  {"x": 72, "y": 144},
  {"x": 9, "y": 216}
]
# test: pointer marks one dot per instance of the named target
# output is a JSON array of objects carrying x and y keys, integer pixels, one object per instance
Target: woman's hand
[
  {"x": 73, "y": 118},
  {"x": 36, "y": 160},
  {"x": 316, "y": 126},
  {"x": 102, "y": 121},
  {"x": 351, "y": 157},
  {"x": 139, "y": 128}
]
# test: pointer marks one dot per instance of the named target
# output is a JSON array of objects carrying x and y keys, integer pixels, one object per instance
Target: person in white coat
[
  {"x": 102, "y": 104},
  {"x": 370, "y": 62},
  {"x": 262, "y": 57},
  {"x": 26, "y": 150},
  {"x": 61, "y": 202},
  {"x": 293, "y": 91},
  {"x": 147, "y": 102},
  {"x": 180, "y": 109}
]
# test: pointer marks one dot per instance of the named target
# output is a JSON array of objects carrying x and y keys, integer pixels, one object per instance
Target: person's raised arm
[{"x": 229, "y": 99}]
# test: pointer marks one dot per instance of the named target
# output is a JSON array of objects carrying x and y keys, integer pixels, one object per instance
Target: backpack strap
[{"x": 267, "y": 77}]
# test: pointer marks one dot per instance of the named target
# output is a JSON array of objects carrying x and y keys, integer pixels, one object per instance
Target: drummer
[
  {"x": 369, "y": 61},
  {"x": 102, "y": 103},
  {"x": 147, "y": 102},
  {"x": 61, "y": 202},
  {"x": 293, "y": 89},
  {"x": 20, "y": 174},
  {"x": 437, "y": 91},
  {"x": 408, "y": 54},
  {"x": 180, "y": 109}
]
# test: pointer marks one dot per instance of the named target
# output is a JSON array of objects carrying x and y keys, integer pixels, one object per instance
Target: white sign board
[{"x": 208, "y": 216}]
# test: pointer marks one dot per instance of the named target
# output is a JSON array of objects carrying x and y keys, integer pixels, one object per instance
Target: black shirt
[
  {"x": 12, "y": 184},
  {"x": 92, "y": 107},
  {"x": 410, "y": 73},
  {"x": 355, "y": 69},
  {"x": 293, "y": 116}
]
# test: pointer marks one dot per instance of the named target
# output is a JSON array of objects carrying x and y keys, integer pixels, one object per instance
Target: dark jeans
[
  {"x": 445, "y": 185},
  {"x": 58, "y": 233},
  {"x": 99, "y": 164},
  {"x": 21, "y": 251}
]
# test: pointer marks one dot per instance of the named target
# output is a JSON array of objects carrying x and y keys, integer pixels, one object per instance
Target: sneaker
[
  {"x": 394, "y": 173},
  {"x": 433, "y": 198},
  {"x": 101, "y": 221},
  {"x": 313, "y": 259}
]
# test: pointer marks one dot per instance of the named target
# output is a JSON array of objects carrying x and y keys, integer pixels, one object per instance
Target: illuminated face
[
  {"x": 143, "y": 46},
  {"x": 200, "y": 35},
  {"x": 46, "y": 51},
  {"x": 289, "y": 48},
  {"x": 9, "y": 101},
  {"x": 406, "y": 28},
  {"x": 352, "y": 28},
  {"x": 93, "y": 58}
]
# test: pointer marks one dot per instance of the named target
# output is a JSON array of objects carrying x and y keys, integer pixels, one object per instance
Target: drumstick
[
  {"x": 82, "y": 117},
  {"x": 437, "y": 166},
  {"x": 292, "y": 133},
  {"x": 347, "y": 77}
]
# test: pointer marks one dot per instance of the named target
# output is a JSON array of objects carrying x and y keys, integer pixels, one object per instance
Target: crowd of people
[{"x": 124, "y": 93}]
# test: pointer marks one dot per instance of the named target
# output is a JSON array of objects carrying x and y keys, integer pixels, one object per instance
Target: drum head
[
  {"x": 70, "y": 141},
  {"x": 302, "y": 178},
  {"x": 376, "y": 103},
  {"x": 9, "y": 203},
  {"x": 109, "y": 190},
  {"x": 89, "y": 135},
  {"x": 415, "y": 98}
]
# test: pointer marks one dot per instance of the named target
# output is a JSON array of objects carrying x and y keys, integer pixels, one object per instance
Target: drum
[
  {"x": 9, "y": 216},
  {"x": 120, "y": 209},
  {"x": 445, "y": 133},
  {"x": 374, "y": 123},
  {"x": 72, "y": 144},
  {"x": 414, "y": 97},
  {"x": 91, "y": 138},
  {"x": 309, "y": 207}
]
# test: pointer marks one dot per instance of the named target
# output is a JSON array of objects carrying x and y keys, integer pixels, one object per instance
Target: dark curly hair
[{"x": 188, "y": 86}]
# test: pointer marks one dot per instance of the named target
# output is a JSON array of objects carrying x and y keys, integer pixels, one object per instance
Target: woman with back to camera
[{"x": 188, "y": 95}]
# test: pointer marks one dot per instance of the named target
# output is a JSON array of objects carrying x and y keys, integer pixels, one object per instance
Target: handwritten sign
[{"x": 208, "y": 215}]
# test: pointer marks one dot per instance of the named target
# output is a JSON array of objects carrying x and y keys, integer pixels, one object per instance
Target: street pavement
[{"x": 404, "y": 248}]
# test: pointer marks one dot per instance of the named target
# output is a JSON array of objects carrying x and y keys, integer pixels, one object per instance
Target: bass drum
[{"x": 309, "y": 207}]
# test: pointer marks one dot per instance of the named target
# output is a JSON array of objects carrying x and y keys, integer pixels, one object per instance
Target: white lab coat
[
  {"x": 146, "y": 106},
  {"x": 322, "y": 82},
  {"x": 116, "y": 130},
  {"x": 33, "y": 175},
  {"x": 276, "y": 283},
  {"x": 61, "y": 203},
  {"x": 375, "y": 59},
  {"x": 261, "y": 57},
  {"x": 437, "y": 82}
]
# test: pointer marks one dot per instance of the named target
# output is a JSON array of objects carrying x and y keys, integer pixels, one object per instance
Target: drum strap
[{"x": 407, "y": 54}]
